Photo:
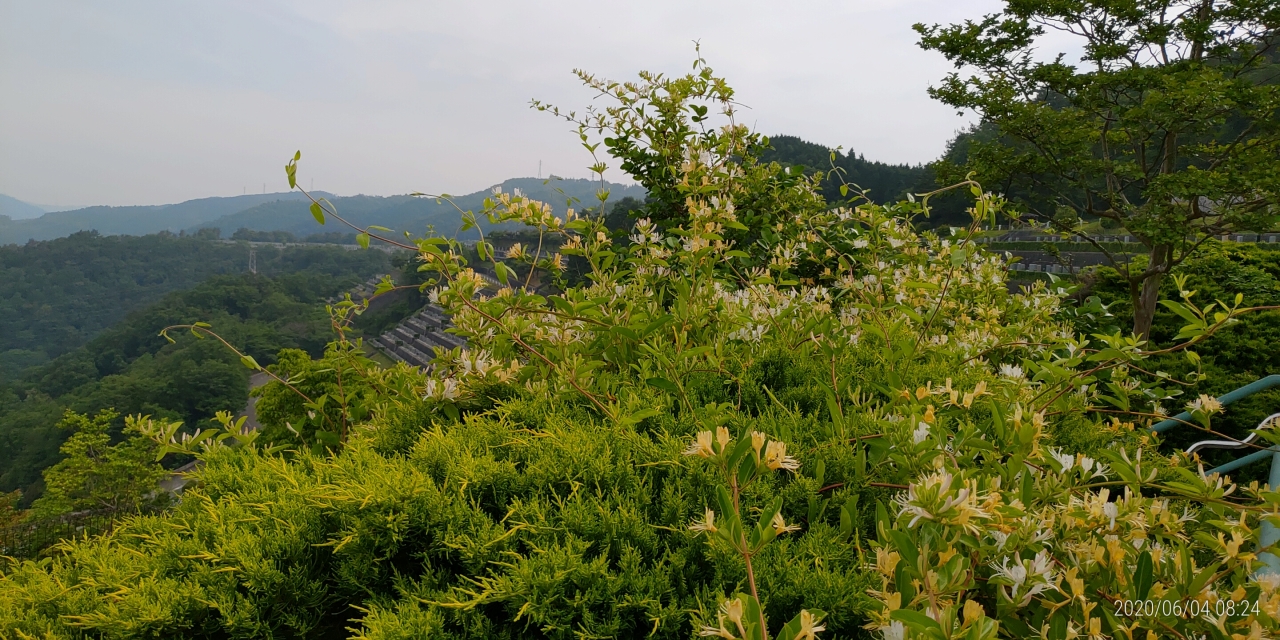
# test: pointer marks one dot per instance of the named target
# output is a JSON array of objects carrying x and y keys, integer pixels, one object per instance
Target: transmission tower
[{"x": 253, "y": 261}]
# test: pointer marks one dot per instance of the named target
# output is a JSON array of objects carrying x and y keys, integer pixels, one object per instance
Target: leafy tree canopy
[{"x": 1169, "y": 126}]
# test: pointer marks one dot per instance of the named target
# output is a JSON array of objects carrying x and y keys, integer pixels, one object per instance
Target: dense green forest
[
  {"x": 128, "y": 366},
  {"x": 56, "y": 295},
  {"x": 880, "y": 182},
  {"x": 332, "y": 237}
]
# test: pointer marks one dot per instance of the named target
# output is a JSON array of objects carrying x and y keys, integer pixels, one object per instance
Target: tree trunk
[{"x": 1146, "y": 298}]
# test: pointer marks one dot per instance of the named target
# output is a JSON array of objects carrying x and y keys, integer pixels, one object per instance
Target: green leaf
[
  {"x": 1183, "y": 311},
  {"x": 916, "y": 620},
  {"x": 317, "y": 212},
  {"x": 656, "y": 324},
  {"x": 846, "y": 520},
  {"x": 664, "y": 384},
  {"x": 906, "y": 547},
  {"x": 249, "y": 362},
  {"x": 883, "y": 523},
  {"x": 625, "y": 332},
  {"x": 363, "y": 240},
  {"x": 1058, "y": 626},
  {"x": 1142, "y": 578}
]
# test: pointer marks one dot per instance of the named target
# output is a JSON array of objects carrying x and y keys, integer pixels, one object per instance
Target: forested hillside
[
  {"x": 882, "y": 183},
  {"x": 56, "y": 295},
  {"x": 130, "y": 368}
]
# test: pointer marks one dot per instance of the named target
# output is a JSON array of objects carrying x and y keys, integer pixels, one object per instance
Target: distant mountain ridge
[
  {"x": 412, "y": 214},
  {"x": 283, "y": 212},
  {"x": 16, "y": 209},
  {"x": 130, "y": 220}
]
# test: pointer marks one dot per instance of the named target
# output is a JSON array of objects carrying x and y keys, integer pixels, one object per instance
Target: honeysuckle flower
[
  {"x": 1206, "y": 404},
  {"x": 1000, "y": 537},
  {"x": 894, "y": 631},
  {"x": 921, "y": 432},
  {"x": 808, "y": 629},
  {"x": 732, "y": 610},
  {"x": 780, "y": 527},
  {"x": 776, "y": 457},
  {"x": 707, "y": 524},
  {"x": 1011, "y": 371},
  {"x": 701, "y": 446},
  {"x": 972, "y": 612},
  {"x": 886, "y": 560},
  {"x": 717, "y": 631},
  {"x": 446, "y": 389},
  {"x": 723, "y": 437},
  {"x": 1027, "y": 577},
  {"x": 1110, "y": 510},
  {"x": 757, "y": 443}
]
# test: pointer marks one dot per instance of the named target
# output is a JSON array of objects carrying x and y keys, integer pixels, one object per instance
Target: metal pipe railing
[
  {"x": 1249, "y": 389},
  {"x": 1269, "y": 534}
]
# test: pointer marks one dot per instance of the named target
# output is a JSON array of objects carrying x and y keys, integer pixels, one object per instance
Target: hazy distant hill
[
  {"x": 136, "y": 220},
  {"x": 17, "y": 209},
  {"x": 404, "y": 213}
]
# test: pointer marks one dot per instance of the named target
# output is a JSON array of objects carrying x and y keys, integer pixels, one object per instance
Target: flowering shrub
[{"x": 878, "y": 436}]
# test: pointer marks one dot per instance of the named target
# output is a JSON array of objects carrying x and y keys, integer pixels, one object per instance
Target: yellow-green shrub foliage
[{"x": 608, "y": 461}]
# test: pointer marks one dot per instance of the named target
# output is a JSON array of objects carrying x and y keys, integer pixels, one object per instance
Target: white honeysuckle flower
[
  {"x": 1110, "y": 510},
  {"x": 895, "y": 631},
  {"x": 1205, "y": 403},
  {"x": 1000, "y": 537},
  {"x": 921, "y": 432},
  {"x": 1065, "y": 459},
  {"x": 1084, "y": 462},
  {"x": 1011, "y": 371},
  {"x": 1028, "y": 577}
]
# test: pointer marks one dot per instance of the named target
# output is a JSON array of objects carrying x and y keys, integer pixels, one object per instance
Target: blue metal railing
[{"x": 1269, "y": 534}]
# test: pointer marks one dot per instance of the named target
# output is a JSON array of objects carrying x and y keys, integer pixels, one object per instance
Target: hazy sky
[{"x": 147, "y": 102}]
